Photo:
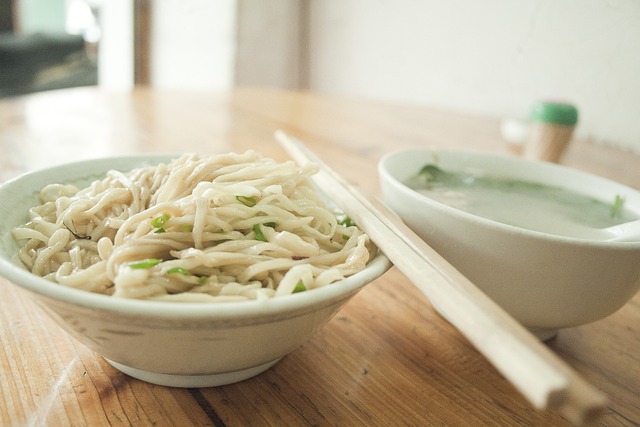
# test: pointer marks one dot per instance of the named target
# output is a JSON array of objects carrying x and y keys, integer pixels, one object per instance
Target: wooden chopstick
[{"x": 538, "y": 374}]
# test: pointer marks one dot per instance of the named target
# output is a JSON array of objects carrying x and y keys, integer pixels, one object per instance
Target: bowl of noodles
[{"x": 183, "y": 270}]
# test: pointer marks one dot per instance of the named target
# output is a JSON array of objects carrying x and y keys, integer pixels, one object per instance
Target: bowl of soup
[
  {"x": 187, "y": 270},
  {"x": 531, "y": 235}
]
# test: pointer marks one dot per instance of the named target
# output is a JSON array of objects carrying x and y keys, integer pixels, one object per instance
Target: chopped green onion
[
  {"x": 258, "y": 232},
  {"x": 300, "y": 287},
  {"x": 160, "y": 221},
  {"x": 145, "y": 263},
  {"x": 270, "y": 224},
  {"x": 203, "y": 279},
  {"x": 178, "y": 270},
  {"x": 430, "y": 172},
  {"x": 247, "y": 201},
  {"x": 345, "y": 221},
  {"x": 616, "y": 206}
]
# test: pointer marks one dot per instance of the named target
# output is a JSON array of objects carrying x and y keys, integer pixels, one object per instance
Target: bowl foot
[
  {"x": 193, "y": 381},
  {"x": 543, "y": 334}
]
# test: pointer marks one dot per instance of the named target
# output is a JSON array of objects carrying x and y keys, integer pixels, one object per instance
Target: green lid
[{"x": 554, "y": 112}]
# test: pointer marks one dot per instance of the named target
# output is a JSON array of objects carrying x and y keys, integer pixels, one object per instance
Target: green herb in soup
[
  {"x": 524, "y": 204},
  {"x": 617, "y": 206}
]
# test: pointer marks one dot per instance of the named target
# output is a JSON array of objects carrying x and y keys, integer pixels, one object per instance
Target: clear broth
[{"x": 523, "y": 204}]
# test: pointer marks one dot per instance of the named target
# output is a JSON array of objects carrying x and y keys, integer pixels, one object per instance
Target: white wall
[
  {"x": 271, "y": 43},
  {"x": 193, "y": 44},
  {"x": 492, "y": 57},
  {"x": 115, "y": 55},
  {"x": 203, "y": 44}
]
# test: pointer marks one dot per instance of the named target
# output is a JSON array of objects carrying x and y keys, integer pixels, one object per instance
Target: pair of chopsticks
[{"x": 538, "y": 374}]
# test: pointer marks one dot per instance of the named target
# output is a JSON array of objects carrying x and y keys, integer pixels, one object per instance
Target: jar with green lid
[{"x": 552, "y": 125}]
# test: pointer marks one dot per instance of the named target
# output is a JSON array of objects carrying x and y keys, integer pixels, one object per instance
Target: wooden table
[{"x": 386, "y": 359}]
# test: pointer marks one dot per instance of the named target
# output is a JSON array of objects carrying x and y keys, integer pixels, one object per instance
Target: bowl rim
[
  {"x": 318, "y": 297},
  {"x": 385, "y": 174},
  {"x": 13, "y": 270}
]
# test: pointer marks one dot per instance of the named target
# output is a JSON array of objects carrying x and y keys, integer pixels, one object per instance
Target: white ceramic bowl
[
  {"x": 545, "y": 281},
  {"x": 174, "y": 344}
]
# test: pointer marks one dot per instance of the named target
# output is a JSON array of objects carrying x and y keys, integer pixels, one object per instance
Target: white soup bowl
[{"x": 545, "y": 281}]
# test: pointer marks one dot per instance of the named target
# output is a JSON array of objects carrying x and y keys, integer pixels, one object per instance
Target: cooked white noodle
[{"x": 199, "y": 228}]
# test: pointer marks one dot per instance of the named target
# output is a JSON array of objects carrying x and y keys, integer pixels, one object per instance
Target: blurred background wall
[
  {"x": 493, "y": 58},
  {"x": 47, "y": 45}
]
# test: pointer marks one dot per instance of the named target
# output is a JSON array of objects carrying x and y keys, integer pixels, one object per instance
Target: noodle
[{"x": 200, "y": 228}]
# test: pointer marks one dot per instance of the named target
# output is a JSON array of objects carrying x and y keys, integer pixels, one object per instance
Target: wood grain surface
[{"x": 387, "y": 358}]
